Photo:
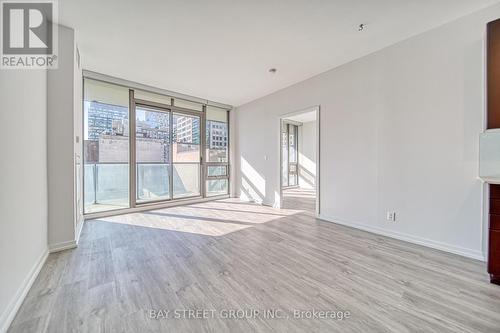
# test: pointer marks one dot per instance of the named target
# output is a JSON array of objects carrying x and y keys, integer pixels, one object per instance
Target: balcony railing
[{"x": 106, "y": 184}]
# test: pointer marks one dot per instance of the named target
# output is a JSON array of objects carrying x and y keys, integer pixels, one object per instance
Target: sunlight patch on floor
[
  {"x": 216, "y": 218},
  {"x": 179, "y": 224}
]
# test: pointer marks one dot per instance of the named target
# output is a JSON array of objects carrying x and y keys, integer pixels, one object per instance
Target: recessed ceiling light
[
  {"x": 272, "y": 70},
  {"x": 361, "y": 27}
]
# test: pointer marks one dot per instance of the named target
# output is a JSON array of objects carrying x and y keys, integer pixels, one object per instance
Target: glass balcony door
[
  {"x": 153, "y": 154},
  {"x": 167, "y": 154}
]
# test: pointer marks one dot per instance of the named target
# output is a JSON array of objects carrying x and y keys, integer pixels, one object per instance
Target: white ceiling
[{"x": 221, "y": 50}]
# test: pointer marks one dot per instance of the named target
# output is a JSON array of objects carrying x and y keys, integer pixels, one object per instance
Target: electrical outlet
[{"x": 391, "y": 216}]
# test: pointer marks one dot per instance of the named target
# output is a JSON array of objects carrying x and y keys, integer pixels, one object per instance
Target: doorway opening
[{"x": 299, "y": 160}]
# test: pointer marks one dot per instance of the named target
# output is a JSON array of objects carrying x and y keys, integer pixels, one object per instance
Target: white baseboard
[
  {"x": 10, "y": 312},
  {"x": 62, "y": 246},
  {"x": 465, "y": 252}
]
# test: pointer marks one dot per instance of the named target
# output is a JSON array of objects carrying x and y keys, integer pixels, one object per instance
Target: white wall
[
  {"x": 307, "y": 155},
  {"x": 399, "y": 131},
  {"x": 64, "y": 109},
  {"x": 23, "y": 179}
]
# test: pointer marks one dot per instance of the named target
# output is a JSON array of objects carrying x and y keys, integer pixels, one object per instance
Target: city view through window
[{"x": 158, "y": 153}]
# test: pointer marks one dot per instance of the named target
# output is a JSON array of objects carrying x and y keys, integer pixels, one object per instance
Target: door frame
[{"x": 317, "y": 110}]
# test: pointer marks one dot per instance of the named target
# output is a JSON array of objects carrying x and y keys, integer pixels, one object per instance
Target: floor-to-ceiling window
[
  {"x": 145, "y": 148},
  {"x": 106, "y": 146},
  {"x": 217, "y": 151},
  {"x": 289, "y": 154},
  {"x": 186, "y": 155}
]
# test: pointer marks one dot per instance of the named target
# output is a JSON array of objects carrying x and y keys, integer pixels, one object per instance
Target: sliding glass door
[
  {"x": 152, "y": 154},
  {"x": 167, "y": 154}
]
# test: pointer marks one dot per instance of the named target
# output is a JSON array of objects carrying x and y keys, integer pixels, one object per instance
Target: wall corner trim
[
  {"x": 461, "y": 251},
  {"x": 62, "y": 246},
  {"x": 10, "y": 312}
]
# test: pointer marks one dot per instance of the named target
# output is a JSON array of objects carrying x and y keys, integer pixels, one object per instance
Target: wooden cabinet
[
  {"x": 494, "y": 222},
  {"x": 493, "y": 121},
  {"x": 493, "y": 257},
  {"x": 494, "y": 235}
]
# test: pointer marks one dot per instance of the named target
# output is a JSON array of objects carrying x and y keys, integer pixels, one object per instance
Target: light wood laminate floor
[
  {"x": 300, "y": 198},
  {"x": 233, "y": 255}
]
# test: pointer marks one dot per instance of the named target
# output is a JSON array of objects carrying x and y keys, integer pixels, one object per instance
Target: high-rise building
[
  {"x": 216, "y": 135},
  {"x": 187, "y": 129},
  {"x": 106, "y": 119}
]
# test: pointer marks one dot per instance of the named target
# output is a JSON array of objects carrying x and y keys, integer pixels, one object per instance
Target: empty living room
[{"x": 249, "y": 166}]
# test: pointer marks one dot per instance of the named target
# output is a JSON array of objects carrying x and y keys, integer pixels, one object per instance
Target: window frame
[{"x": 172, "y": 108}]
